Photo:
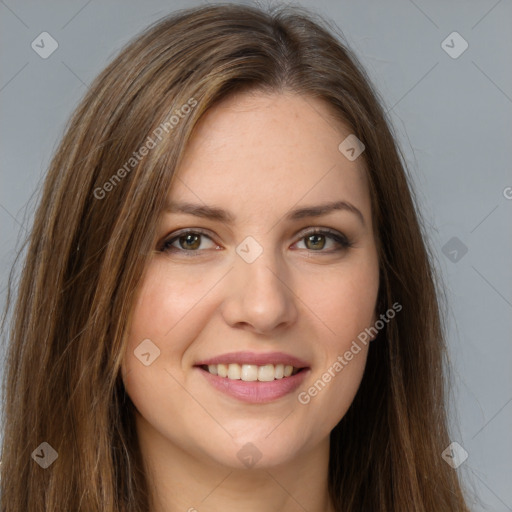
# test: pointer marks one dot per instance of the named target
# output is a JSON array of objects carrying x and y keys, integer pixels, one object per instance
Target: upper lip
[{"x": 259, "y": 359}]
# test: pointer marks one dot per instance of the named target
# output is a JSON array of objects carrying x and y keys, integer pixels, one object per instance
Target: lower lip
[{"x": 256, "y": 392}]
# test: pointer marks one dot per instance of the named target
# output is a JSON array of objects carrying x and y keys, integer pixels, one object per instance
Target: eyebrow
[{"x": 216, "y": 213}]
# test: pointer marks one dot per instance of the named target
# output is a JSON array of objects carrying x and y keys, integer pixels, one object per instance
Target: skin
[{"x": 259, "y": 156}]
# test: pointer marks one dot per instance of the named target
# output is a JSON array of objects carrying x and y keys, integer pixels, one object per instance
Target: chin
[{"x": 256, "y": 452}]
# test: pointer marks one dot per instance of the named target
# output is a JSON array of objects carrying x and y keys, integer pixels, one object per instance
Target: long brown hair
[{"x": 94, "y": 232}]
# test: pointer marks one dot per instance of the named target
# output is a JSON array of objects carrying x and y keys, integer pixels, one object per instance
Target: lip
[
  {"x": 260, "y": 359},
  {"x": 255, "y": 392}
]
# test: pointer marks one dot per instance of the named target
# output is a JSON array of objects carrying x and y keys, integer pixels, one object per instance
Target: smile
[{"x": 251, "y": 372}]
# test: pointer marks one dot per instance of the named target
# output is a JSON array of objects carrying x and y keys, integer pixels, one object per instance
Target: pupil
[
  {"x": 189, "y": 238},
  {"x": 312, "y": 238},
  {"x": 317, "y": 241}
]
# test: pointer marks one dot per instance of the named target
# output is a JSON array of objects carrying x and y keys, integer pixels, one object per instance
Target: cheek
[
  {"x": 169, "y": 306},
  {"x": 346, "y": 305},
  {"x": 345, "y": 301},
  {"x": 168, "y": 311}
]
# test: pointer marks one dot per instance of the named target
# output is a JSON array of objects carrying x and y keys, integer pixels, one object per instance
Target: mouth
[
  {"x": 254, "y": 378},
  {"x": 252, "y": 372},
  {"x": 271, "y": 382}
]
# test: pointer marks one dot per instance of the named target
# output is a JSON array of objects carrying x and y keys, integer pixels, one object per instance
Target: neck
[{"x": 181, "y": 482}]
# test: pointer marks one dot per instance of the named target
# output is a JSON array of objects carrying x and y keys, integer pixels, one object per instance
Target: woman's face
[{"x": 256, "y": 290}]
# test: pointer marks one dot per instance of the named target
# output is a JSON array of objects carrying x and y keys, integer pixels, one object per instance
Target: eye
[
  {"x": 187, "y": 242},
  {"x": 316, "y": 240},
  {"x": 190, "y": 242}
]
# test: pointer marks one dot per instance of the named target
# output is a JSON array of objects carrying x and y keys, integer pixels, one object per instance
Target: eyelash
[{"x": 340, "y": 239}]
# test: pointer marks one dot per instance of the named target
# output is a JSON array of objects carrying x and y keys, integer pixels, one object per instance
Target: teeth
[
  {"x": 252, "y": 372},
  {"x": 234, "y": 372},
  {"x": 249, "y": 372},
  {"x": 222, "y": 370},
  {"x": 266, "y": 373}
]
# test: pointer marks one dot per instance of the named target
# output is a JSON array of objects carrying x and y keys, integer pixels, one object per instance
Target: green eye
[
  {"x": 316, "y": 240},
  {"x": 189, "y": 242}
]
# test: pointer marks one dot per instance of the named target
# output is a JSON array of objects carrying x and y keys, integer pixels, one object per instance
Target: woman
[{"x": 227, "y": 302}]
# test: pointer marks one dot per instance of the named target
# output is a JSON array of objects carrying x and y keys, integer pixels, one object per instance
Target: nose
[{"x": 260, "y": 295}]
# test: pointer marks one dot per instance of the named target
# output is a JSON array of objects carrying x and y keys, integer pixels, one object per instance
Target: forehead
[{"x": 259, "y": 149}]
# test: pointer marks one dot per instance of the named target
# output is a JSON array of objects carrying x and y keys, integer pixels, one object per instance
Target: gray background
[{"x": 453, "y": 117}]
